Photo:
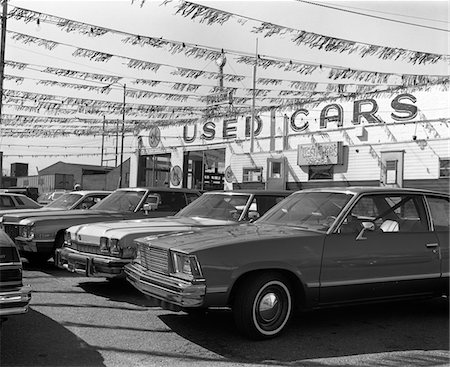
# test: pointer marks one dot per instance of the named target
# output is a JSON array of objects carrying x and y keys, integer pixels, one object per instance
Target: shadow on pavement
[
  {"x": 405, "y": 328},
  {"x": 117, "y": 290},
  {"x": 48, "y": 268},
  {"x": 33, "y": 339}
]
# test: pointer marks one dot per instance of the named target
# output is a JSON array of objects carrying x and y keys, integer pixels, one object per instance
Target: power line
[
  {"x": 373, "y": 16},
  {"x": 395, "y": 14}
]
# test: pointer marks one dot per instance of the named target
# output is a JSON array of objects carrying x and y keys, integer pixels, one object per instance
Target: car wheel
[
  {"x": 59, "y": 242},
  {"x": 263, "y": 305}
]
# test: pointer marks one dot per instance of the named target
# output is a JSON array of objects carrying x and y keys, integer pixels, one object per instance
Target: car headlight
[
  {"x": 186, "y": 266},
  {"x": 27, "y": 231},
  {"x": 114, "y": 247},
  {"x": 104, "y": 245},
  {"x": 67, "y": 239}
]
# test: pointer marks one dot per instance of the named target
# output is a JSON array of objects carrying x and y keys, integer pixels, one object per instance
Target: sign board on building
[
  {"x": 320, "y": 154},
  {"x": 221, "y": 98}
]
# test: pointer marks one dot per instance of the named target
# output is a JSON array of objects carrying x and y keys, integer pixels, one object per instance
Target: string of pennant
[
  {"x": 211, "y": 16},
  {"x": 260, "y": 93},
  {"x": 341, "y": 86},
  {"x": 334, "y": 72}
]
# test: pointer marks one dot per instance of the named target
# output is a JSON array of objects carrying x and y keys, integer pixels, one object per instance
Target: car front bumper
[
  {"x": 174, "y": 293},
  {"x": 37, "y": 246},
  {"x": 90, "y": 265},
  {"x": 15, "y": 302}
]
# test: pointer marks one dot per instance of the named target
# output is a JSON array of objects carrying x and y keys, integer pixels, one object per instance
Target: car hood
[
  {"x": 190, "y": 242},
  {"x": 24, "y": 211},
  {"x": 57, "y": 214},
  {"x": 91, "y": 233}
]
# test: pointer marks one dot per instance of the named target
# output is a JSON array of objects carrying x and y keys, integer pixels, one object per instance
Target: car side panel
[
  {"x": 300, "y": 256},
  {"x": 381, "y": 266}
]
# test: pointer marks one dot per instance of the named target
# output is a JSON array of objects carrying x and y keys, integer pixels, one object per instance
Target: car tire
[
  {"x": 263, "y": 305},
  {"x": 59, "y": 243}
]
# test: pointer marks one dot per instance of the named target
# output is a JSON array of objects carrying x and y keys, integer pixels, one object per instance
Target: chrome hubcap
[{"x": 269, "y": 307}]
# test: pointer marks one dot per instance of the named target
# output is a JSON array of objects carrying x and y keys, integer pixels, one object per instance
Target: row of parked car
[{"x": 262, "y": 254}]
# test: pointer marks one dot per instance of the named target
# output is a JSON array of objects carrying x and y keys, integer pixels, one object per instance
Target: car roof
[
  {"x": 86, "y": 192},
  {"x": 372, "y": 189},
  {"x": 13, "y": 194},
  {"x": 168, "y": 189},
  {"x": 252, "y": 191}
]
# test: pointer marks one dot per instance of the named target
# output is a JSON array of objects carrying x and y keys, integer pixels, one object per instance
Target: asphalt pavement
[{"x": 79, "y": 321}]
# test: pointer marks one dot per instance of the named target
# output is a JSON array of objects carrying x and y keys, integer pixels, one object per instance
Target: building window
[
  {"x": 444, "y": 168},
  {"x": 252, "y": 174},
  {"x": 320, "y": 172}
]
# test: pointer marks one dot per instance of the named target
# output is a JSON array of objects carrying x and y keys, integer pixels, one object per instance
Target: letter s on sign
[
  {"x": 296, "y": 128},
  {"x": 410, "y": 110}
]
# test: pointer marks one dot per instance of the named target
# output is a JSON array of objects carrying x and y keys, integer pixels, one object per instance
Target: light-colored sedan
[{"x": 103, "y": 249}]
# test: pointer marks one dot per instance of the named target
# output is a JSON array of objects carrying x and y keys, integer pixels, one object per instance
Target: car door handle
[{"x": 431, "y": 245}]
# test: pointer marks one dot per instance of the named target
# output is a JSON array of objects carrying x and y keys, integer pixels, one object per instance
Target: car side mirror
[
  {"x": 148, "y": 207},
  {"x": 152, "y": 202},
  {"x": 367, "y": 226},
  {"x": 253, "y": 215}
]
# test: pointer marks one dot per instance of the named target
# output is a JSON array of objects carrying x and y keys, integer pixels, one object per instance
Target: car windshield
[
  {"x": 221, "y": 206},
  {"x": 65, "y": 201},
  {"x": 122, "y": 200},
  {"x": 311, "y": 210}
]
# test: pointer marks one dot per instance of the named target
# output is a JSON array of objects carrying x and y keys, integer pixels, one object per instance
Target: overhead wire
[{"x": 372, "y": 16}]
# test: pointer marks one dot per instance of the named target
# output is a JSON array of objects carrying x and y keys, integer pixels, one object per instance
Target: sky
[{"x": 413, "y": 25}]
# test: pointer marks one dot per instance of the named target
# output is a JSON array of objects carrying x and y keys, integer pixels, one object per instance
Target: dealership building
[{"x": 383, "y": 139}]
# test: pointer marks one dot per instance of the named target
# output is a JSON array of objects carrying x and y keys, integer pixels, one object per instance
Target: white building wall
[{"x": 424, "y": 139}]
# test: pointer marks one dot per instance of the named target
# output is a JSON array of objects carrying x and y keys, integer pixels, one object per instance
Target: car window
[
  {"x": 439, "y": 208},
  {"x": 19, "y": 200},
  {"x": 311, "y": 210},
  {"x": 121, "y": 200},
  {"x": 221, "y": 206},
  {"x": 388, "y": 213},
  {"x": 26, "y": 201},
  {"x": 190, "y": 197},
  {"x": 171, "y": 201},
  {"x": 6, "y": 201},
  {"x": 88, "y": 202},
  {"x": 262, "y": 203}
]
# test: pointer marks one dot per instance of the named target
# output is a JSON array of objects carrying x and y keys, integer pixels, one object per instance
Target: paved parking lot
[{"x": 78, "y": 321}]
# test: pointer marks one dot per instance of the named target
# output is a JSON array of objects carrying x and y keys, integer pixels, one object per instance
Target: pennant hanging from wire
[
  {"x": 210, "y": 16},
  {"x": 26, "y": 39},
  {"x": 92, "y": 55},
  {"x": 65, "y": 24}
]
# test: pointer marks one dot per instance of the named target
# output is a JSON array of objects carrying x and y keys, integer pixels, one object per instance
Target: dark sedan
[{"x": 316, "y": 248}]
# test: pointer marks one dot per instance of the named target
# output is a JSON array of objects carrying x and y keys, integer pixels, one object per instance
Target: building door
[
  {"x": 392, "y": 169},
  {"x": 276, "y": 174},
  {"x": 154, "y": 170},
  {"x": 204, "y": 169}
]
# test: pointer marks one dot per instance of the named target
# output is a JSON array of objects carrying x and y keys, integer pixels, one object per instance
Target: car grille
[
  {"x": 11, "y": 230},
  {"x": 154, "y": 258},
  {"x": 10, "y": 275},
  {"x": 82, "y": 247}
]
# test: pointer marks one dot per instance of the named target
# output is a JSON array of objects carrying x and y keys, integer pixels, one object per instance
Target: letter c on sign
[{"x": 296, "y": 128}]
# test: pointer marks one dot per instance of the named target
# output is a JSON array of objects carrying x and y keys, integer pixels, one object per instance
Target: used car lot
[{"x": 79, "y": 321}]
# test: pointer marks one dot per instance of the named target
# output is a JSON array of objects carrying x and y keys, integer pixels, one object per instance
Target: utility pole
[
  {"x": 252, "y": 127},
  {"x": 2, "y": 73},
  {"x": 123, "y": 134},
  {"x": 103, "y": 140}
]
